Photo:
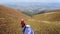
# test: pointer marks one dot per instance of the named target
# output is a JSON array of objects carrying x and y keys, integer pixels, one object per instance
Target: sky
[
  {"x": 29, "y": 0},
  {"x": 43, "y": 1}
]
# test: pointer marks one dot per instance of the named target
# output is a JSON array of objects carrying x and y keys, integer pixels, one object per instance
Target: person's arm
[{"x": 32, "y": 31}]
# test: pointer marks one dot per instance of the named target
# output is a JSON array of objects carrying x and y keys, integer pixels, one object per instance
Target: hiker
[{"x": 26, "y": 28}]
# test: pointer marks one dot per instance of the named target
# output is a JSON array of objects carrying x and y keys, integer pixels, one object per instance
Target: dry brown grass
[
  {"x": 50, "y": 16},
  {"x": 10, "y": 20},
  {"x": 47, "y": 23}
]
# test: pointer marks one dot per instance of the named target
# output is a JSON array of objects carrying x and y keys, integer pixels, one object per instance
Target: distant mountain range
[{"x": 34, "y": 8}]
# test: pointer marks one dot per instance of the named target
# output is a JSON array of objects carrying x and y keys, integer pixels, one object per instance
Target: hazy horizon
[{"x": 32, "y": 6}]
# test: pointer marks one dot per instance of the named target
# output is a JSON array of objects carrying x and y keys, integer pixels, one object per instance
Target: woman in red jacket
[{"x": 22, "y": 23}]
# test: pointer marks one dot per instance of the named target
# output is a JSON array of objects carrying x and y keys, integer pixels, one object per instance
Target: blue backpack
[{"x": 28, "y": 30}]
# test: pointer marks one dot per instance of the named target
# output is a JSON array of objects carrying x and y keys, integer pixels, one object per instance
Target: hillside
[
  {"x": 44, "y": 23},
  {"x": 49, "y": 16},
  {"x": 10, "y": 20},
  {"x": 49, "y": 22}
]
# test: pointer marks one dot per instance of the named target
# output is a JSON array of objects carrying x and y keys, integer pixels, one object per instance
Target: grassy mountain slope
[
  {"x": 10, "y": 20},
  {"x": 45, "y": 23},
  {"x": 49, "y": 23},
  {"x": 49, "y": 16}
]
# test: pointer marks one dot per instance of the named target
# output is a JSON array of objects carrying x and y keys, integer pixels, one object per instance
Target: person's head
[{"x": 22, "y": 19}]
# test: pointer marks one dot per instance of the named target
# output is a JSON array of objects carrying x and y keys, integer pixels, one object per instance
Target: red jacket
[{"x": 22, "y": 23}]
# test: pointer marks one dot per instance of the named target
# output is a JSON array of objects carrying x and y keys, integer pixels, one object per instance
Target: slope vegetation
[
  {"x": 10, "y": 20},
  {"x": 49, "y": 23},
  {"x": 49, "y": 16}
]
